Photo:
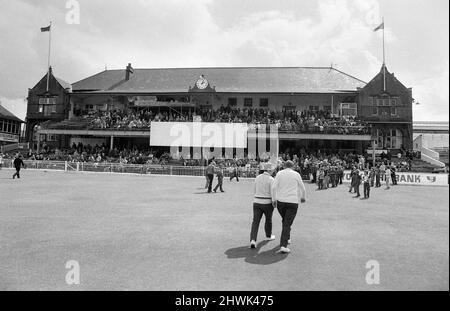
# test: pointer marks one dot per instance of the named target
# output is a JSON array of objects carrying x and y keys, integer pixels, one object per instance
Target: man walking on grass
[
  {"x": 18, "y": 163},
  {"x": 262, "y": 204},
  {"x": 288, "y": 192}
]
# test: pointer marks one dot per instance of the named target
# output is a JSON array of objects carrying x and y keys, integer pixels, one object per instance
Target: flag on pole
[
  {"x": 379, "y": 27},
  {"x": 44, "y": 29}
]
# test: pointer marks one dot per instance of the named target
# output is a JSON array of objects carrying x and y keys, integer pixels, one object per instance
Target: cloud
[
  {"x": 179, "y": 33},
  {"x": 433, "y": 97}
]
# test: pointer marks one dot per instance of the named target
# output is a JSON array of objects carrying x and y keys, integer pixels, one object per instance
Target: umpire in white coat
[
  {"x": 262, "y": 204},
  {"x": 288, "y": 191}
]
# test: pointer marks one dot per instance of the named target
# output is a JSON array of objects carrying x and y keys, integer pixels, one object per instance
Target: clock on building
[{"x": 202, "y": 83}]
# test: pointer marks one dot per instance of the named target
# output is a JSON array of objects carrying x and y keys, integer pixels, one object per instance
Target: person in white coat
[{"x": 288, "y": 191}]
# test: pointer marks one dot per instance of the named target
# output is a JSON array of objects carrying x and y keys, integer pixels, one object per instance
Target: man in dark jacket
[{"x": 18, "y": 163}]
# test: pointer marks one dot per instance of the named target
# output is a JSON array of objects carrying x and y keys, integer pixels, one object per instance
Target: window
[
  {"x": 348, "y": 109},
  {"x": 327, "y": 108},
  {"x": 393, "y": 102},
  {"x": 393, "y": 111},
  {"x": 371, "y": 101},
  {"x": 248, "y": 102},
  {"x": 385, "y": 111},
  {"x": 264, "y": 102},
  {"x": 232, "y": 101},
  {"x": 47, "y": 105},
  {"x": 314, "y": 108},
  {"x": 374, "y": 111}
]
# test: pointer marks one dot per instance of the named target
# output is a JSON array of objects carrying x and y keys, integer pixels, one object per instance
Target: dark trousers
[
  {"x": 357, "y": 190},
  {"x": 378, "y": 182},
  {"x": 258, "y": 211},
  {"x": 366, "y": 190},
  {"x": 340, "y": 179},
  {"x": 288, "y": 211},
  {"x": 219, "y": 184},
  {"x": 17, "y": 173},
  {"x": 210, "y": 181},
  {"x": 394, "y": 179},
  {"x": 233, "y": 175},
  {"x": 320, "y": 184}
]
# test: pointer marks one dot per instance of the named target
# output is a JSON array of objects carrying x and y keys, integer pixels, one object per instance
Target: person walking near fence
[
  {"x": 219, "y": 175},
  {"x": 288, "y": 191},
  {"x": 262, "y": 204},
  {"x": 235, "y": 173},
  {"x": 18, "y": 163}
]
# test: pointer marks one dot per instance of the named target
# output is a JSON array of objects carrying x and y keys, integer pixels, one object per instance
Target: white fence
[{"x": 125, "y": 168}]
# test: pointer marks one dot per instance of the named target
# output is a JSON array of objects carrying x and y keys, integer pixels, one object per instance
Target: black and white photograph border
[{"x": 224, "y": 146}]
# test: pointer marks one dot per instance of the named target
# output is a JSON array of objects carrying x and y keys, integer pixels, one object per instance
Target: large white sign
[
  {"x": 406, "y": 178},
  {"x": 198, "y": 134}
]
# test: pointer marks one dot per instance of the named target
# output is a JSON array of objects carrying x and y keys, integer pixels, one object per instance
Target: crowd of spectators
[{"x": 308, "y": 121}]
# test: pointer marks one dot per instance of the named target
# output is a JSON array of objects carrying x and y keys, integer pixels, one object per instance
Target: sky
[{"x": 221, "y": 33}]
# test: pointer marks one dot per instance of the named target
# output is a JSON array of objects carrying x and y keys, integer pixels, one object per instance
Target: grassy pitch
[{"x": 131, "y": 232}]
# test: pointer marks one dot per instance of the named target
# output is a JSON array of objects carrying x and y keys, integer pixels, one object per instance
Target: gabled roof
[
  {"x": 224, "y": 79},
  {"x": 6, "y": 114},
  {"x": 63, "y": 83}
]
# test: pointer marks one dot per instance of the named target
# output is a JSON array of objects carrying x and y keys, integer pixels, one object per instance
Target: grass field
[{"x": 165, "y": 233}]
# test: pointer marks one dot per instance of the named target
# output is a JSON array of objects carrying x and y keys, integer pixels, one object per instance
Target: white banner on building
[
  {"x": 198, "y": 134},
  {"x": 407, "y": 178}
]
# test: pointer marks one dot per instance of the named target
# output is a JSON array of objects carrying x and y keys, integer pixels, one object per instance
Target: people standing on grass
[
  {"x": 393, "y": 177},
  {"x": 377, "y": 177},
  {"x": 1, "y": 160},
  {"x": 262, "y": 204},
  {"x": 366, "y": 184},
  {"x": 357, "y": 183},
  {"x": 234, "y": 173},
  {"x": 288, "y": 192},
  {"x": 219, "y": 175},
  {"x": 210, "y": 175},
  {"x": 387, "y": 175}
]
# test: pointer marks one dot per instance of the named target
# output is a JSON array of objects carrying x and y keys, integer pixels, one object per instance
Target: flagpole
[
  {"x": 49, "y": 49},
  {"x": 384, "y": 60}
]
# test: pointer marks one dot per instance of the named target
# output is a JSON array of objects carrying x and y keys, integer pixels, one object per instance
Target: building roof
[
  {"x": 441, "y": 126},
  {"x": 64, "y": 84},
  {"x": 6, "y": 114},
  {"x": 224, "y": 79}
]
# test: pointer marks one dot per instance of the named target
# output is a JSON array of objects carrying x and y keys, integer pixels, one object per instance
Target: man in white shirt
[
  {"x": 288, "y": 191},
  {"x": 262, "y": 204}
]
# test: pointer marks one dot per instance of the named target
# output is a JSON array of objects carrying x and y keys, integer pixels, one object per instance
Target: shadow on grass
[{"x": 254, "y": 256}]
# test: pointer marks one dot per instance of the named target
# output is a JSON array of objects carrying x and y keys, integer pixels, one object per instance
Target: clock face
[{"x": 202, "y": 83}]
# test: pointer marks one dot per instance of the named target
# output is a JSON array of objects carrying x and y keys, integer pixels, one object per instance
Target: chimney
[{"x": 128, "y": 71}]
